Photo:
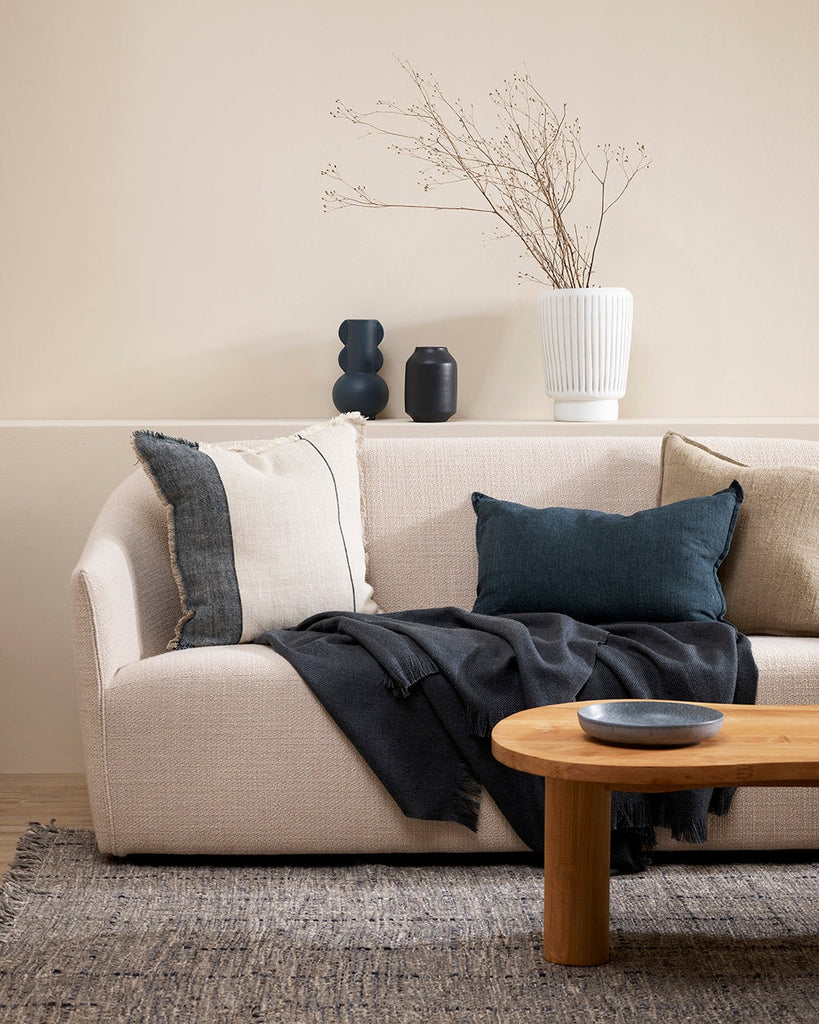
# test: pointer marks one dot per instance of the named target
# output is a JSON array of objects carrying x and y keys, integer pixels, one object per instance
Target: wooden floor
[{"x": 26, "y": 798}]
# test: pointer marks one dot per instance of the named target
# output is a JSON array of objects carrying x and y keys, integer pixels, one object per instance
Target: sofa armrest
[
  {"x": 106, "y": 634},
  {"x": 125, "y": 605},
  {"x": 105, "y": 638}
]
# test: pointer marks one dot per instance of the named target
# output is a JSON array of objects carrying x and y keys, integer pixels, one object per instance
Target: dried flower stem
[{"x": 526, "y": 177}]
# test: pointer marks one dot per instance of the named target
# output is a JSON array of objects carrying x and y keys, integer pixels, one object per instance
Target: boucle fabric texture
[
  {"x": 222, "y": 749},
  {"x": 276, "y": 772},
  {"x": 91, "y": 940},
  {"x": 770, "y": 577},
  {"x": 262, "y": 534}
]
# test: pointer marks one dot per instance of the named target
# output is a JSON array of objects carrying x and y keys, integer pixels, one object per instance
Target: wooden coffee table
[{"x": 757, "y": 746}]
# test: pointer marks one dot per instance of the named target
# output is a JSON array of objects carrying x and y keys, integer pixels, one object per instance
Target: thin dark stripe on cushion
[{"x": 338, "y": 515}]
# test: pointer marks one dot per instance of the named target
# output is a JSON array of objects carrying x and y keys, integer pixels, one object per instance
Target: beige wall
[{"x": 164, "y": 254}]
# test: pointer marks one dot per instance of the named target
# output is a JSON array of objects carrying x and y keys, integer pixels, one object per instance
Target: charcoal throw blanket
[{"x": 418, "y": 693}]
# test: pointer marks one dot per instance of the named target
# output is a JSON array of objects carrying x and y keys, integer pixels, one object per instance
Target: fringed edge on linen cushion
[{"x": 170, "y": 521}]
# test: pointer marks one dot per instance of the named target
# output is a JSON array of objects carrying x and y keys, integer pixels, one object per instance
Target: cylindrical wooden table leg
[{"x": 576, "y": 873}]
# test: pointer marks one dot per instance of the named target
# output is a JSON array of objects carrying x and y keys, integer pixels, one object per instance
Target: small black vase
[
  {"x": 431, "y": 384},
  {"x": 360, "y": 389}
]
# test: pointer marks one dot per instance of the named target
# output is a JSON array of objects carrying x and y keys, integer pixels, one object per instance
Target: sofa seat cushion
[
  {"x": 788, "y": 669},
  {"x": 770, "y": 817},
  {"x": 224, "y": 750}
]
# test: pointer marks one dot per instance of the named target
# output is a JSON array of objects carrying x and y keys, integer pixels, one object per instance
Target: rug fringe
[{"x": 21, "y": 877}]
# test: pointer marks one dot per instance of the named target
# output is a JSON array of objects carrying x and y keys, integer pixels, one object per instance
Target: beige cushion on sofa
[
  {"x": 771, "y": 574},
  {"x": 262, "y": 534}
]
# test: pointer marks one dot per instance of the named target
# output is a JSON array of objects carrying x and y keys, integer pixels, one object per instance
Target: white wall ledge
[{"x": 224, "y": 429}]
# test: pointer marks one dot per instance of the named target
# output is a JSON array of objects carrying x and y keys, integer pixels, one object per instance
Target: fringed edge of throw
[
  {"x": 481, "y": 723},
  {"x": 630, "y": 812},
  {"x": 721, "y": 801},
  {"x": 639, "y": 818},
  {"x": 468, "y": 798},
  {"x": 21, "y": 878}
]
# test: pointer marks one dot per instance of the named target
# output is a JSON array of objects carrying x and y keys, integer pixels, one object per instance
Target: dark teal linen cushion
[{"x": 657, "y": 565}]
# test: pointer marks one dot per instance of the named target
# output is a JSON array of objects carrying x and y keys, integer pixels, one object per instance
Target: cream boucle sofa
[{"x": 224, "y": 750}]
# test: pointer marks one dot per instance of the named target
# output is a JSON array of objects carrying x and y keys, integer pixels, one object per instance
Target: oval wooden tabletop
[{"x": 757, "y": 745}]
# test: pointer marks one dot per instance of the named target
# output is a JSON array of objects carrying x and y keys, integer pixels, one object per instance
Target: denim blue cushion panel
[
  {"x": 657, "y": 565},
  {"x": 262, "y": 534},
  {"x": 202, "y": 543}
]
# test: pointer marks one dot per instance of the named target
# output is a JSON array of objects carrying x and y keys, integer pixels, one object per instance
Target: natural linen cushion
[
  {"x": 262, "y": 534},
  {"x": 658, "y": 565},
  {"x": 771, "y": 576}
]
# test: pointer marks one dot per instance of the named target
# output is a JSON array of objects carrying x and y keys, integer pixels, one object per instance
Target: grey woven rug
[{"x": 86, "y": 938}]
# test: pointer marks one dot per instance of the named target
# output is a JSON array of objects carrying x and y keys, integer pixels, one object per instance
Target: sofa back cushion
[
  {"x": 419, "y": 524},
  {"x": 771, "y": 575},
  {"x": 418, "y": 517}
]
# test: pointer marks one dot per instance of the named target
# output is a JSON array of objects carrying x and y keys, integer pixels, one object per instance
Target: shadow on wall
[
  {"x": 269, "y": 377},
  {"x": 500, "y": 373},
  {"x": 291, "y": 375}
]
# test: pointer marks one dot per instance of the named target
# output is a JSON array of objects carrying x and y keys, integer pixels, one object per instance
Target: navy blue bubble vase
[{"x": 360, "y": 389}]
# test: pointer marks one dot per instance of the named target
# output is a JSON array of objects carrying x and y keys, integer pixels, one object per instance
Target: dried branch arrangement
[{"x": 527, "y": 175}]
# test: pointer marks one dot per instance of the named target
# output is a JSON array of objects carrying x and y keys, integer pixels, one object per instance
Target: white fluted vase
[{"x": 586, "y": 336}]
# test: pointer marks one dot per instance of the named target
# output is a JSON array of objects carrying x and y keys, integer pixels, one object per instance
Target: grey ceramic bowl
[{"x": 650, "y": 723}]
